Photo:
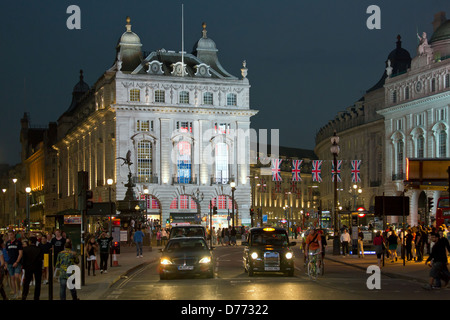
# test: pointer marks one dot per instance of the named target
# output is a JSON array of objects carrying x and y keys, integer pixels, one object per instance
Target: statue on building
[{"x": 424, "y": 48}]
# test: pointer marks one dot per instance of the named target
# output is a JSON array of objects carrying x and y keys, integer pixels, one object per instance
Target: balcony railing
[
  {"x": 146, "y": 179},
  {"x": 184, "y": 180}
]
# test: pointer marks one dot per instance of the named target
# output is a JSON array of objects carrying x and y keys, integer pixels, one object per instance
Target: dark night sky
[{"x": 307, "y": 60}]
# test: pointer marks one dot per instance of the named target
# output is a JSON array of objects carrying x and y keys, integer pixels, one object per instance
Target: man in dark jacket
[
  {"x": 104, "y": 244},
  {"x": 438, "y": 258},
  {"x": 32, "y": 264}
]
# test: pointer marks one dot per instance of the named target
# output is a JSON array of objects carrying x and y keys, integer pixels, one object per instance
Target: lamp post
[
  {"x": 146, "y": 203},
  {"x": 335, "y": 151},
  {"x": 110, "y": 182},
  {"x": 28, "y": 191},
  {"x": 353, "y": 221},
  {"x": 15, "y": 206},
  {"x": 233, "y": 188},
  {"x": 4, "y": 207}
]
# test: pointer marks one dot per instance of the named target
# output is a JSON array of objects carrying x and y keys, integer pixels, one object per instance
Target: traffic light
[
  {"x": 89, "y": 202},
  {"x": 214, "y": 210},
  {"x": 252, "y": 212},
  {"x": 430, "y": 204}
]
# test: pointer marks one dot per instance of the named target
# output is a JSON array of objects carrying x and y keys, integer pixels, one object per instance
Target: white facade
[
  {"x": 416, "y": 119},
  {"x": 188, "y": 132}
]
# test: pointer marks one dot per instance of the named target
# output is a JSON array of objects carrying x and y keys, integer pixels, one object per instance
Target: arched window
[
  {"x": 400, "y": 155},
  {"x": 144, "y": 161},
  {"x": 221, "y": 162},
  {"x": 407, "y": 93},
  {"x": 184, "y": 162},
  {"x": 442, "y": 144},
  {"x": 420, "y": 146},
  {"x": 433, "y": 85}
]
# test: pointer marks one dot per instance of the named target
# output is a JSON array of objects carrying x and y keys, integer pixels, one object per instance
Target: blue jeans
[
  {"x": 139, "y": 248},
  {"x": 62, "y": 290}
]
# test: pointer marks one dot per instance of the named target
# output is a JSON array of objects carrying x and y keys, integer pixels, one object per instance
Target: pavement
[{"x": 96, "y": 286}]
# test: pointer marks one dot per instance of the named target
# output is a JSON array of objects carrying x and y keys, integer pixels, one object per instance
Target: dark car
[
  {"x": 186, "y": 256},
  {"x": 188, "y": 231},
  {"x": 268, "y": 250}
]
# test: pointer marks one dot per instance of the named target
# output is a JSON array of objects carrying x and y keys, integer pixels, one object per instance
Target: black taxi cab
[{"x": 268, "y": 250}]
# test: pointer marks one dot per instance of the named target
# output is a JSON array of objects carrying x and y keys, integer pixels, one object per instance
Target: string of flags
[{"x": 316, "y": 170}]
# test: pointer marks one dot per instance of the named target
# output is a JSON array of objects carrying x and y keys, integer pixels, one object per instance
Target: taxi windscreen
[
  {"x": 186, "y": 244},
  {"x": 269, "y": 238}
]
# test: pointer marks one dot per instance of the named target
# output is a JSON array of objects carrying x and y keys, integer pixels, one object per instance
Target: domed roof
[
  {"x": 400, "y": 62},
  {"x": 129, "y": 37},
  {"x": 204, "y": 43},
  {"x": 441, "y": 33},
  {"x": 81, "y": 86}
]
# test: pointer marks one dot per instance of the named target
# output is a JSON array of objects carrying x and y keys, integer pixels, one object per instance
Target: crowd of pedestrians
[{"x": 22, "y": 261}]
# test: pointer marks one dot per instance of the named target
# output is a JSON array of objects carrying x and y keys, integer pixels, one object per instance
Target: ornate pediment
[
  {"x": 179, "y": 69},
  {"x": 202, "y": 70},
  {"x": 155, "y": 67}
]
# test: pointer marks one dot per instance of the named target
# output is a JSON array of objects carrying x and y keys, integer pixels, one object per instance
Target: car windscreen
[
  {"x": 187, "y": 232},
  {"x": 187, "y": 244},
  {"x": 269, "y": 239}
]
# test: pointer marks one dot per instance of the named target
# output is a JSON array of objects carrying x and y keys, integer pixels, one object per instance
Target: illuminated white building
[{"x": 183, "y": 117}]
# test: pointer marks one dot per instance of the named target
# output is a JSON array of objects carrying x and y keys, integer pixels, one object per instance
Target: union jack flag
[
  {"x": 316, "y": 170},
  {"x": 276, "y": 169},
  {"x": 294, "y": 187},
  {"x": 356, "y": 170},
  {"x": 262, "y": 185},
  {"x": 296, "y": 165},
  {"x": 339, "y": 165}
]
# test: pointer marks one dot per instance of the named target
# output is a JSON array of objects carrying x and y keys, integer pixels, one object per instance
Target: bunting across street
[{"x": 296, "y": 166}]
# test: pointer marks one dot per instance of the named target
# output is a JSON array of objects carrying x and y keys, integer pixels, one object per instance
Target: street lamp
[
  {"x": 15, "y": 209},
  {"x": 28, "y": 191},
  {"x": 335, "y": 151},
  {"x": 110, "y": 183},
  {"x": 146, "y": 203},
  {"x": 4, "y": 206},
  {"x": 233, "y": 188}
]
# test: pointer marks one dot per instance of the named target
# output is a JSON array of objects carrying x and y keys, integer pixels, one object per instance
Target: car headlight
[
  {"x": 165, "y": 261},
  {"x": 254, "y": 256},
  {"x": 205, "y": 260},
  {"x": 289, "y": 255}
]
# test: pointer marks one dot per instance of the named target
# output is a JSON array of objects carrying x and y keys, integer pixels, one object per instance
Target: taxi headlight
[
  {"x": 165, "y": 261},
  {"x": 289, "y": 255},
  {"x": 254, "y": 256},
  {"x": 205, "y": 260}
]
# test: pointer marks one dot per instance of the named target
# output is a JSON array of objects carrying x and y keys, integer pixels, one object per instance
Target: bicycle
[{"x": 313, "y": 270}]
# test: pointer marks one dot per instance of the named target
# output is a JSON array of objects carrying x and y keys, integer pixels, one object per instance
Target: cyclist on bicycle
[{"x": 314, "y": 244}]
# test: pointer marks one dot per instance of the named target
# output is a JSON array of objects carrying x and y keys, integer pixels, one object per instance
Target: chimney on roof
[{"x": 439, "y": 18}]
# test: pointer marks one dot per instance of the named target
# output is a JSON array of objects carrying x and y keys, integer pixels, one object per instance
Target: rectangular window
[
  {"x": 208, "y": 98},
  {"x": 394, "y": 96},
  {"x": 407, "y": 93},
  {"x": 135, "y": 95},
  {"x": 433, "y": 85},
  {"x": 160, "y": 96},
  {"x": 420, "y": 119},
  {"x": 399, "y": 124},
  {"x": 144, "y": 125},
  {"x": 231, "y": 99},
  {"x": 184, "y": 97},
  {"x": 442, "y": 115},
  {"x": 447, "y": 80},
  {"x": 222, "y": 128},
  {"x": 184, "y": 126}
]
